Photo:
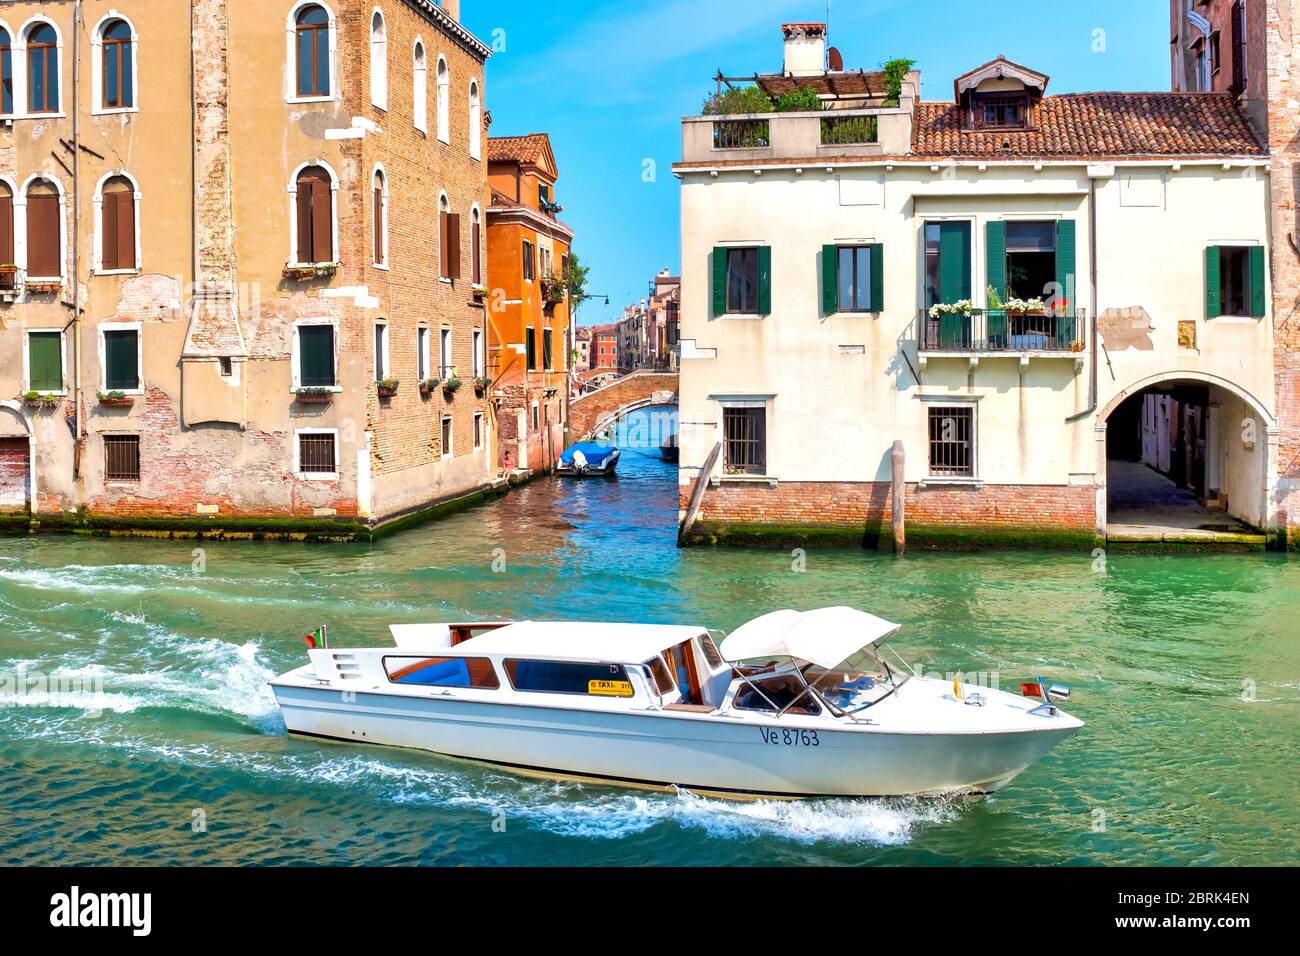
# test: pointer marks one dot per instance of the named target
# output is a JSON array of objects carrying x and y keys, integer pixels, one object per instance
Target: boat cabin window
[
  {"x": 663, "y": 679},
  {"x": 566, "y": 677},
  {"x": 681, "y": 660},
  {"x": 855, "y": 685},
  {"x": 710, "y": 651},
  {"x": 775, "y": 693},
  {"x": 476, "y": 672}
]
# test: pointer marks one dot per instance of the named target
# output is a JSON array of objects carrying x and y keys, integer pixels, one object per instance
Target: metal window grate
[
  {"x": 316, "y": 455},
  {"x": 952, "y": 430},
  {"x": 122, "y": 457},
  {"x": 745, "y": 440}
]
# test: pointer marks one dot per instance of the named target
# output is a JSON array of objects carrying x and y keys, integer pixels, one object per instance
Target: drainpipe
[
  {"x": 78, "y": 436},
  {"x": 1092, "y": 283}
]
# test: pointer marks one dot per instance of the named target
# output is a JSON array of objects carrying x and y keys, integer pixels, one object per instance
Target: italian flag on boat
[{"x": 315, "y": 639}]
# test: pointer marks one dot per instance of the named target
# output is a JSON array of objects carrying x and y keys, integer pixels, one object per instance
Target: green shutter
[
  {"x": 719, "y": 281},
  {"x": 877, "y": 278},
  {"x": 1065, "y": 261},
  {"x": 316, "y": 356},
  {"x": 1257, "y": 302},
  {"x": 830, "y": 280},
  {"x": 121, "y": 357},
  {"x": 45, "y": 361},
  {"x": 1213, "y": 300},
  {"x": 996, "y": 246},
  {"x": 764, "y": 280},
  {"x": 954, "y": 261}
]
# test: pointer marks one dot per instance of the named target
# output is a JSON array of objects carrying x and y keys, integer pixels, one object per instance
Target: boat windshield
[{"x": 860, "y": 682}]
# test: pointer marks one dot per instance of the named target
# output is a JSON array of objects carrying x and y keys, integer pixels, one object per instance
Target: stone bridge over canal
[{"x": 593, "y": 411}]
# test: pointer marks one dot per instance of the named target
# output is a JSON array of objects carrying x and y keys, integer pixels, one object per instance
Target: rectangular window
[
  {"x": 121, "y": 360},
  {"x": 568, "y": 677},
  {"x": 478, "y": 353},
  {"x": 742, "y": 281},
  {"x": 546, "y": 349},
  {"x": 422, "y": 353},
  {"x": 43, "y": 70},
  {"x": 478, "y": 430},
  {"x": 952, "y": 441},
  {"x": 121, "y": 457},
  {"x": 44, "y": 249},
  {"x": 1216, "y": 61},
  {"x": 381, "y": 351},
  {"x": 1031, "y": 259},
  {"x": 447, "y": 448},
  {"x": 999, "y": 111},
  {"x": 475, "y": 672},
  {"x": 530, "y": 261},
  {"x": 476, "y": 248},
  {"x": 947, "y": 262},
  {"x": 6, "y": 79},
  {"x": 117, "y": 230},
  {"x": 1234, "y": 279},
  {"x": 530, "y": 348},
  {"x": 316, "y": 356},
  {"x": 317, "y": 453},
  {"x": 444, "y": 352},
  {"x": 1239, "y": 77},
  {"x": 543, "y": 194},
  {"x": 744, "y": 441},
  {"x": 855, "y": 279},
  {"x": 45, "y": 361}
]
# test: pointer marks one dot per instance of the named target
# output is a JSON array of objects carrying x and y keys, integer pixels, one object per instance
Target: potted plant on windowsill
[
  {"x": 313, "y": 395},
  {"x": 43, "y": 286},
  {"x": 428, "y": 386},
  {"x": 387, "y": 387},
  {"x": 452, "y": 385},
  {"x": 35, "y": 399},
  {"x": 479, "y": 291},
  {"x": 115, "y": 399},
  {"x": 304, "y": 271},
  {"x": 963, "y": 307},
  {"x": 552, "y": 289},
  {"x": 481, "y": 384},
  {"x": 8, "y": 277}
]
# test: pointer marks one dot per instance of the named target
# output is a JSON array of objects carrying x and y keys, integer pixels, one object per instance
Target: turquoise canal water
[{"x": 1187, "y": 670}]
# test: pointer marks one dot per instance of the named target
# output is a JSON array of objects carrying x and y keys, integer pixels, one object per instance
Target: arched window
[
  {"x": 7, "y": 253},
  {"x": 42, "y": 69},
  {"x": 448, "y": 240},
  {"x": 379, "y": 218},
  {"x": 475, "y": 121},
  {"x": 44, "y": 239},
  {"x": 117, "y": 65},
  {"x": 6, "y": 74},
  {"x": 444, "y": 101},
  {"x": 378, "y": 61},
  {"x": 314, "y": 211},
  {"x": 312, "y": 51},
  {"x": 420, "y": 93},
  {"x": 476, "y": 246},
  {"x": 117, "y": 226}
]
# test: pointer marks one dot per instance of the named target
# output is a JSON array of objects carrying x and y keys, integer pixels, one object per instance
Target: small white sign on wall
[
  {"x": 1142, "y": 190},
  {"x": 861, "y": 189}
]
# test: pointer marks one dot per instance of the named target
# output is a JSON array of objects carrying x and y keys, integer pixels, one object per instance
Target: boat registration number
[
  {"x": 785, "y": 737},
  {"x": 609, "y": 688}
]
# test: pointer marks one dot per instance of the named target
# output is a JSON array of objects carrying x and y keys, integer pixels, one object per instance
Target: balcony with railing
[
  {"x": 812, "y": 136},
  {"x": 997, "y": 332}
]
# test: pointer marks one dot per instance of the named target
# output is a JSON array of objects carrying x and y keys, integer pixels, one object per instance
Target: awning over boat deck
[{"x": 827, "y": 637}]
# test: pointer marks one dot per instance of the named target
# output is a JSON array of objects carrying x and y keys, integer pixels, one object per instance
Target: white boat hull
[{"x": 669, "y": 749}]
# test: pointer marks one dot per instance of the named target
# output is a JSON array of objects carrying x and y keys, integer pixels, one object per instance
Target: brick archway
[{"x": 639, "y": 390}]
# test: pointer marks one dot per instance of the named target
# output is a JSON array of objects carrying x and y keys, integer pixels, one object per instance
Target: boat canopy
[
  {"x": 594, "y": 452},
  {"x": 827, "y": 637},
  {"x": 578, "y": 641}
]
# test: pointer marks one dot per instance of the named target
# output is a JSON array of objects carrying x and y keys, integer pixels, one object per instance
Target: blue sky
[{"x": 611, "y": 79}]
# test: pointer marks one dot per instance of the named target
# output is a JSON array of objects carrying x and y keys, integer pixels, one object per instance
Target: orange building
[{"x": 528, "y": 316}]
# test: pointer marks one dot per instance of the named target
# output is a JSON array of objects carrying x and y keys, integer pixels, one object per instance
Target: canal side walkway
[{"x": 1146, "y": 508}]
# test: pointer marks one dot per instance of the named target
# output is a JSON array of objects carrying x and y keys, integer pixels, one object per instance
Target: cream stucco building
[{"x": 868, "y": 274}]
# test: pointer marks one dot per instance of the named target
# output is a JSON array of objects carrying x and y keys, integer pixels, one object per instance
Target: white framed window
[
  {"x": 420, "y": 92},
  {"x": 381, "y": 351},
  {"x": 537, "y": 416},
  {"x": 444, "y": 352},
  {"x": 422, "y": 353},
  {"x": 315, "y": 355},
  {"x": 311, "y": 53},
  {"x": 37, "y": 76},
  {"x": 115, "y": 248},
  {"x": 478, "y": 357},
  {"x": 43, "y": 365},
  {"x": 121, "y": 357},
  {"x": 475, "y": 121},
  {"x": 316, "y": 454},
  {"x": 41, "y": 229},
  {"x": 448, "y": 449},
  {"x": 444, "y": 101},
  {"x": 114, "y": 66},
  {"x": 313, "y": 214},
  {"x": 378, "y": 60},
  {"x": 379, "y": 217},
  {"x": 478, "y": 430}
]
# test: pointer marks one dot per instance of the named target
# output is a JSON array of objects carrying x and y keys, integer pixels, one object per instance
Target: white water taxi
[{"x": 790, "y": 705}]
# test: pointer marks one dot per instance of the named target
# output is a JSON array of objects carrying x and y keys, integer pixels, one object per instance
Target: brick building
[
  {"x": 529, "y": 338},
  {"x": 604, "y": 346},
  {"x": 234, "y": 331},
  {"x": 1250, "y": 49}
]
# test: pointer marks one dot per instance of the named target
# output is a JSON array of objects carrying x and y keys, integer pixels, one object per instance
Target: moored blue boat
[{"x": 589, "y": 459}]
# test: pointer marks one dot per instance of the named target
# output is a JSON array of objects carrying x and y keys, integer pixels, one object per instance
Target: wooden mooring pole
[
  {"x": 697, "y": 495},
  {"x": 900, "y": 500}
]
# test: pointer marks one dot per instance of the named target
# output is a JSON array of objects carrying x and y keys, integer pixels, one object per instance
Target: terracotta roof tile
[
  {"x": 528, "y": 150},
  {"x": 1097, "y": 125}
]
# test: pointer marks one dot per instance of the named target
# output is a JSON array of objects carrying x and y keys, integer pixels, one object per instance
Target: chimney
[
  {"x": 452, "y": 9},
  {"x": 805, "y": 48}
]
